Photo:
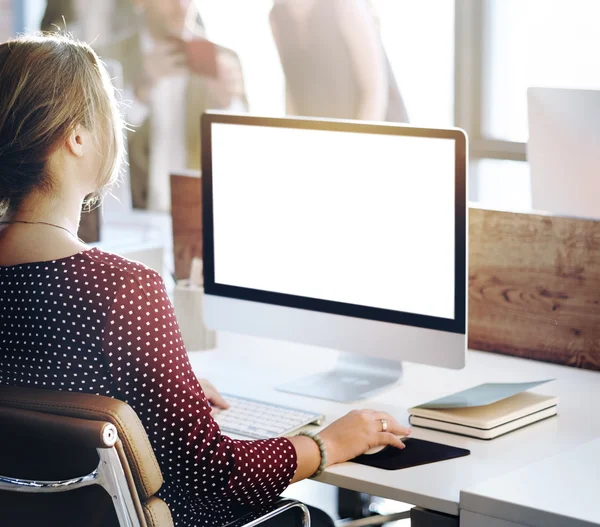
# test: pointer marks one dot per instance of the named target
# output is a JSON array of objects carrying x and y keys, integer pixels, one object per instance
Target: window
[
  {"x": 536, "y": 43},
  {"x": 504, "y": 47},
  {"x": 420, "y": 47},
  {"x": 502, "y": 184},
  {"x": 32, "y": 13}
]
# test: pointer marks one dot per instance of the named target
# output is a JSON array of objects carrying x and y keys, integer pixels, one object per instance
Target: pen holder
[{"x": 188, "y": 303}]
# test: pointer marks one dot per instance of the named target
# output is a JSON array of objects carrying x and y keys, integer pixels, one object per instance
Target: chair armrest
[
  {"x": 91, "y": 434},
  {"x": 271, "y": 511}
]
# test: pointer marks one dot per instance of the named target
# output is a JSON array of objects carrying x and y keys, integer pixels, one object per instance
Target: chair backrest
[{"x": 63, "y": 441}]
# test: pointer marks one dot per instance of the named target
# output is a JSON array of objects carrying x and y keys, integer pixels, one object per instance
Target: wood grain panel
[
  {"x": 534, "y": 280},
  {"x": 186, "y": 210},
  {"x": 534, "y": 287}
]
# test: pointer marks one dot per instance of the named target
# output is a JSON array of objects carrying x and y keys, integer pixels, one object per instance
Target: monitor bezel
[{"x": 456, "y": 325}]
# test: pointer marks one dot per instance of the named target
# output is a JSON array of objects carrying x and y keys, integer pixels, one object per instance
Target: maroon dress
[{"x": 98, "y": 323}]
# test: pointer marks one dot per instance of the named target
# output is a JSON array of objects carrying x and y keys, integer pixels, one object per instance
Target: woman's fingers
[
  {"x": 213, "y": 396},
  {"x": 218, "y": 400},
  {"x": 388, "y": 438},
  {"x": 393, "y": 426}
]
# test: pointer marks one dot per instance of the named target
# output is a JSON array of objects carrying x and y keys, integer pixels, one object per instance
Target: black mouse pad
[{"x": 417, "y": 452}]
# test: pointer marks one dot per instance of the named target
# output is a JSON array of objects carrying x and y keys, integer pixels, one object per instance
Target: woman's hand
[
  {"x": 214, "y": 397},
  {"x": 359, "y": 431}
]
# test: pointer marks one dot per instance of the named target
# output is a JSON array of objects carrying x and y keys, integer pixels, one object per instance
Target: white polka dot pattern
[{"x": 98, "y": 323}]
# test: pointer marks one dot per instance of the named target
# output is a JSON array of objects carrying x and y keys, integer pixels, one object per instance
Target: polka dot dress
[{"x": 98, "y": 323}]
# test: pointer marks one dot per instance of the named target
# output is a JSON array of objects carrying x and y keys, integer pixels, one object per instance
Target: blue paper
[{"x": 482, "y": 395}]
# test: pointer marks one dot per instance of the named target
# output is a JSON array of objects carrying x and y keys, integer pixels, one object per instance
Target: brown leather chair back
[{"x": 50, "y": 435}]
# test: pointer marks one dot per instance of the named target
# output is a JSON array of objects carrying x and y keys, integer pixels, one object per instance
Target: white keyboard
[{"x": 259, "y": 420}]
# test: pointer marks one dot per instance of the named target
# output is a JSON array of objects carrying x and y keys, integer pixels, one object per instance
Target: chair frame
[
  {"x": 108, "y": 474},
  {"x": 271, "y": 511}
]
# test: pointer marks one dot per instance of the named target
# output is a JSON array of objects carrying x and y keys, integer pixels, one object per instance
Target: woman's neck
[
  {"x": 62, "y": 208},
  {"x": 34, "y": 236}
]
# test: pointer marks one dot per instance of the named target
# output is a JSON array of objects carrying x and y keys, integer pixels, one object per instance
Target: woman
[
  {"x": 334, "y": 62},
  {"x": 79, "y": 319}
]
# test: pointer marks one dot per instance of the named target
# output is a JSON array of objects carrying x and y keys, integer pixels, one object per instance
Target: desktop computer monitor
[
  {"x": 563, "y": 151},
  {"x": 337, "y": 234}
]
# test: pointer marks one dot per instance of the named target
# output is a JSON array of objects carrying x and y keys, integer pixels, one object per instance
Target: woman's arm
[
  {"x": 308, "y": 456},
  {"x": 290, "y": 107},
  {"x": 346, "y": 438},
  {"x": 151, "y": 371},
  {"x": 368, "y": 58}
]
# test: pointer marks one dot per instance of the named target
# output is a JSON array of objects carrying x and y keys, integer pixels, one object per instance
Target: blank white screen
[{"x": 363, "y": 219}]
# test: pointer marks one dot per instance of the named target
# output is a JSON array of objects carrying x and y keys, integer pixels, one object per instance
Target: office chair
[{"x": 81, "y": 459}]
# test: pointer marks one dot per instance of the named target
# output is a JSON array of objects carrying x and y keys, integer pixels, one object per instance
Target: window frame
[{"x": 472, "y": 23}]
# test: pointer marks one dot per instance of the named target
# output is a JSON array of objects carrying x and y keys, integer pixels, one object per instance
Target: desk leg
[
  {"x": 425, "y": 518},
  {"x": 352, "y": 504}
]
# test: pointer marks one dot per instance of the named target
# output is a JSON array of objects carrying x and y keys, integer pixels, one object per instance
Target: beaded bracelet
[{"x": 322, "y": 450}]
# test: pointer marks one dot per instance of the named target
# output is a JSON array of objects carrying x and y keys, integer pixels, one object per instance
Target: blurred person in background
[
  {"x": 334, "y": 61},
  {"x": 168, "y": 88},
  {"x": 89, "y": 21}
]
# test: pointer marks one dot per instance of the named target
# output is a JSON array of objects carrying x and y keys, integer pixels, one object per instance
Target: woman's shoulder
[
  {"x": 129, "y": 286},
  {"x": 120, "y": 268},
  {"x": 125, "y": 282}
]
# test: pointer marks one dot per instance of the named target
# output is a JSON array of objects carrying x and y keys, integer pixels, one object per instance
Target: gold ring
[{"x": 384, "y": 425}]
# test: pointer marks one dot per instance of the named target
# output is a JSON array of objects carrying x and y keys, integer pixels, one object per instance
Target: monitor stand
[{"x": 354, "y": 377}]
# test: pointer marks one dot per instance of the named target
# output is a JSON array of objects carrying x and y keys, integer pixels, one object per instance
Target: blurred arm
[
  {"x": 290, "y": 107},
  {"x": 368, "y": 58}
]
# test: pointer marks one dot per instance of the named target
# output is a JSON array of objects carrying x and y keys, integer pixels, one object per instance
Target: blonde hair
[{"x": 50, "y": 84}]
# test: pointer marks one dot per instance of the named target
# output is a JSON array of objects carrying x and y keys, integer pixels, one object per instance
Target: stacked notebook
[{"x": 486, "y": 411}]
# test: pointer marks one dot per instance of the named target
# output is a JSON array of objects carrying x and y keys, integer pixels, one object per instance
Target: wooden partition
[
  {"x": 534, "y": 280},
  {"x": 89, "y": 227},
  {"x": 186, "y": 207},
  {"x": 534, "y": 287}
]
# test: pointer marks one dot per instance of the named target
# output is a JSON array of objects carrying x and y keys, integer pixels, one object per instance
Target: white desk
[
  {"x": 252, "y": 367},
  {"x": 553, "y": 492}
]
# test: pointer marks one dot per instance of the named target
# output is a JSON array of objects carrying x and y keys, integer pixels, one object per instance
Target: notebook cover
[
  {"x": 480, "y": 433},
  {"x": 492, "y": 415},
  {"x": 417, "y": 452}
]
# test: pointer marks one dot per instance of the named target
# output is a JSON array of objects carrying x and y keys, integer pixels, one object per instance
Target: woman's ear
[{"x": 75, "y": 141}]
